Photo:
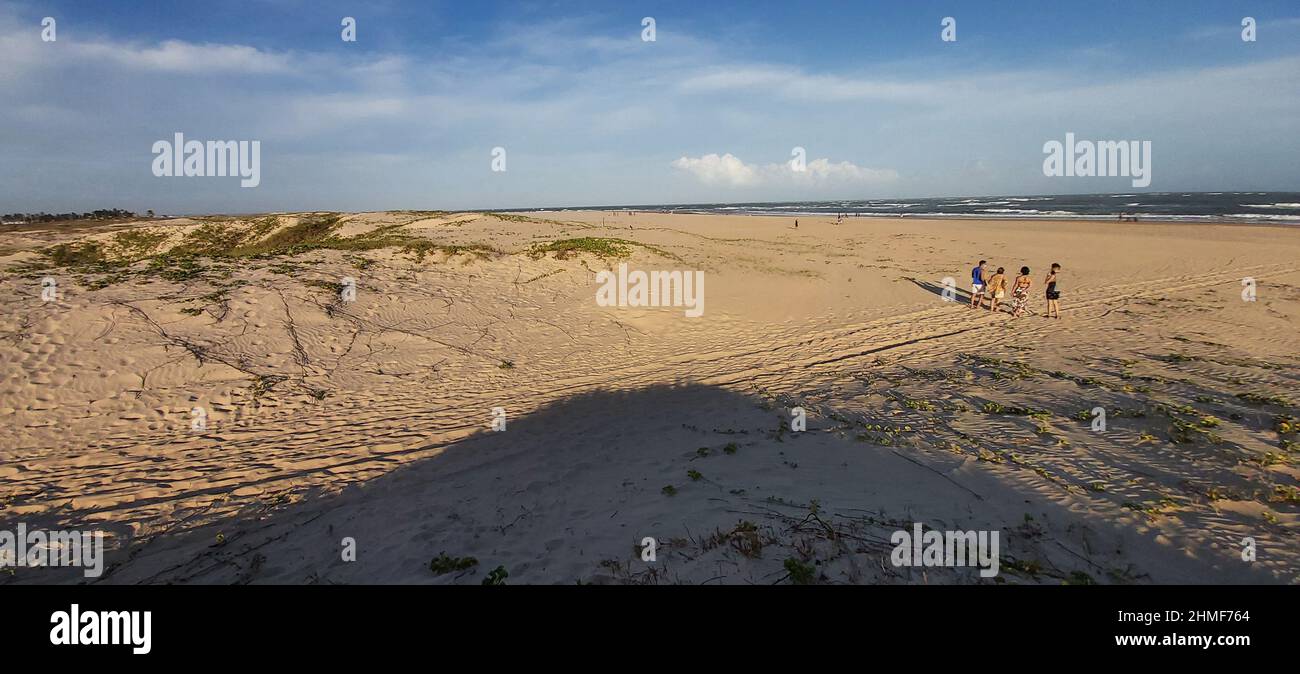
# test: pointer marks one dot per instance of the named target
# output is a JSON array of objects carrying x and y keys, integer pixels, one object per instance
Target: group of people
[{"x": 995, "y": 288}]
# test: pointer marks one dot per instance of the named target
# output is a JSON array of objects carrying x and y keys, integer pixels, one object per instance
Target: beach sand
[{"x": 370, "y": 419}]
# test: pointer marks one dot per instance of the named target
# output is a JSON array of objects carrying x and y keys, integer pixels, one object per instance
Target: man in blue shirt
[{"x": 977, "y": 285}]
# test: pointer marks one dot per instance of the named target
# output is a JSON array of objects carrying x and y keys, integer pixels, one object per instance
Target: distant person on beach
[
  {"x": 796, "y": 223},
  {"x": 997, "y": 288},
  {"x": 1053, "y": 295},
  {"x": 977, "y": 286},
  {"x": 1020, "y": 292}
]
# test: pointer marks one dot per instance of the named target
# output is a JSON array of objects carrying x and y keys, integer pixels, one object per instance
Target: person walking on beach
[
  {"x": 796, "y": 223},
  {"x": 1053, "y": 295},
  {"x": 1020, "y": 292},
  {"x": 996, "y": 288},
  {"x": 977, "y": 286}
]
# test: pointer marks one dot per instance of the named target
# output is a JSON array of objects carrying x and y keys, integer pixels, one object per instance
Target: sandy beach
[{"x": 327, "y": 418}]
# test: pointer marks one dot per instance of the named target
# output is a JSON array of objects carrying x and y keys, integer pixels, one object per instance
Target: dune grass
[
  {"x": 205, "y": 248},
  {"x": 138, "y": 243},
  {"x": 604, "y": 248},
  {"x": 75, "y": 254}
]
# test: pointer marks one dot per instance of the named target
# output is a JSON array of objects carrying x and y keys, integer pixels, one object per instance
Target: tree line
[{"x": 101, "y": 214}]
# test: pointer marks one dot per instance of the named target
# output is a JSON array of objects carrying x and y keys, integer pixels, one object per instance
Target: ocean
[{"x": 1257, "y": 207}]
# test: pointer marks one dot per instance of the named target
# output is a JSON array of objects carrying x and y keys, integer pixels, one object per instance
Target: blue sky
[{"x": 407, "y": 116}]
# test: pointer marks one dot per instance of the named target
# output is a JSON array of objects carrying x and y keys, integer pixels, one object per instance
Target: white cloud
[
  {"x": 795, "y": 84},
  {"x": 729, "y": 170},
  {"x": 187, "y": 57},
  {"x": 712, "y": 170},
  {"x": 821, "y": 171}
]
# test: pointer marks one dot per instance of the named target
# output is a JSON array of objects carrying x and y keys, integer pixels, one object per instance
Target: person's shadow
[{"x": 958, "y": 295}]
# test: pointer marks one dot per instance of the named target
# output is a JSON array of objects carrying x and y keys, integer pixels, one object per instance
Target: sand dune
[{"x": 370, "y": 418}]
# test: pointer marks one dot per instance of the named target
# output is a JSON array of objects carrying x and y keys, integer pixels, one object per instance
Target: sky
[{"x": 590, "y": 113}]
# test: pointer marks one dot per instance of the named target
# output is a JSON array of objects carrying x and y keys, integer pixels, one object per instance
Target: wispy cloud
[
  {"x": 729, "y": 170},
  {"x": 1219, "y": 31},
  {"x": 184, "y": 57}
]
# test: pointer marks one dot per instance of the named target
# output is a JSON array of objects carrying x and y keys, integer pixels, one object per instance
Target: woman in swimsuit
[
  {"x": 1020, "y": 292},
  {"x": 1053, "y": 295},
  {"x": 996, "y": 289}
]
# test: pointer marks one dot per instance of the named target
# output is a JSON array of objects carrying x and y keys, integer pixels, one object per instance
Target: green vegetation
[
  {"x": 919, "y": 405},
  {"x": 600, "y": 247},
  {"x": 212, "y": 238},
  {"x": 421, "y": 248},
  {"x": 1271, "y": 459},
  {"x": 510, "y": 217},
  {"x": 998, "y": 408},
  {"x": 137, "y": 243},
  {"x": 1286, "y": 494},
  {"x": 1264, "y": 399},
  {"x": 220, "y": 239},
  {"x": 801, "y": 573},
  {"x": 333, "y": 287},
  {"x": 497, "y": 576},
  {"x": 1079, "y": 578},
  {"x": 444, "y": 564},
  {"x": 75, "y": 254},
  {"x": 1285, "y": 423},
  {"x": 177, "y": 268}
]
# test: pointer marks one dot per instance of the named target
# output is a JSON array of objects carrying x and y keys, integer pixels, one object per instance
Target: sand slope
[{"x": 369, "y": 419}]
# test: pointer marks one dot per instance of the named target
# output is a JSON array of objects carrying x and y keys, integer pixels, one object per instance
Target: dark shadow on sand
[{"x": 573, "y": 485}]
